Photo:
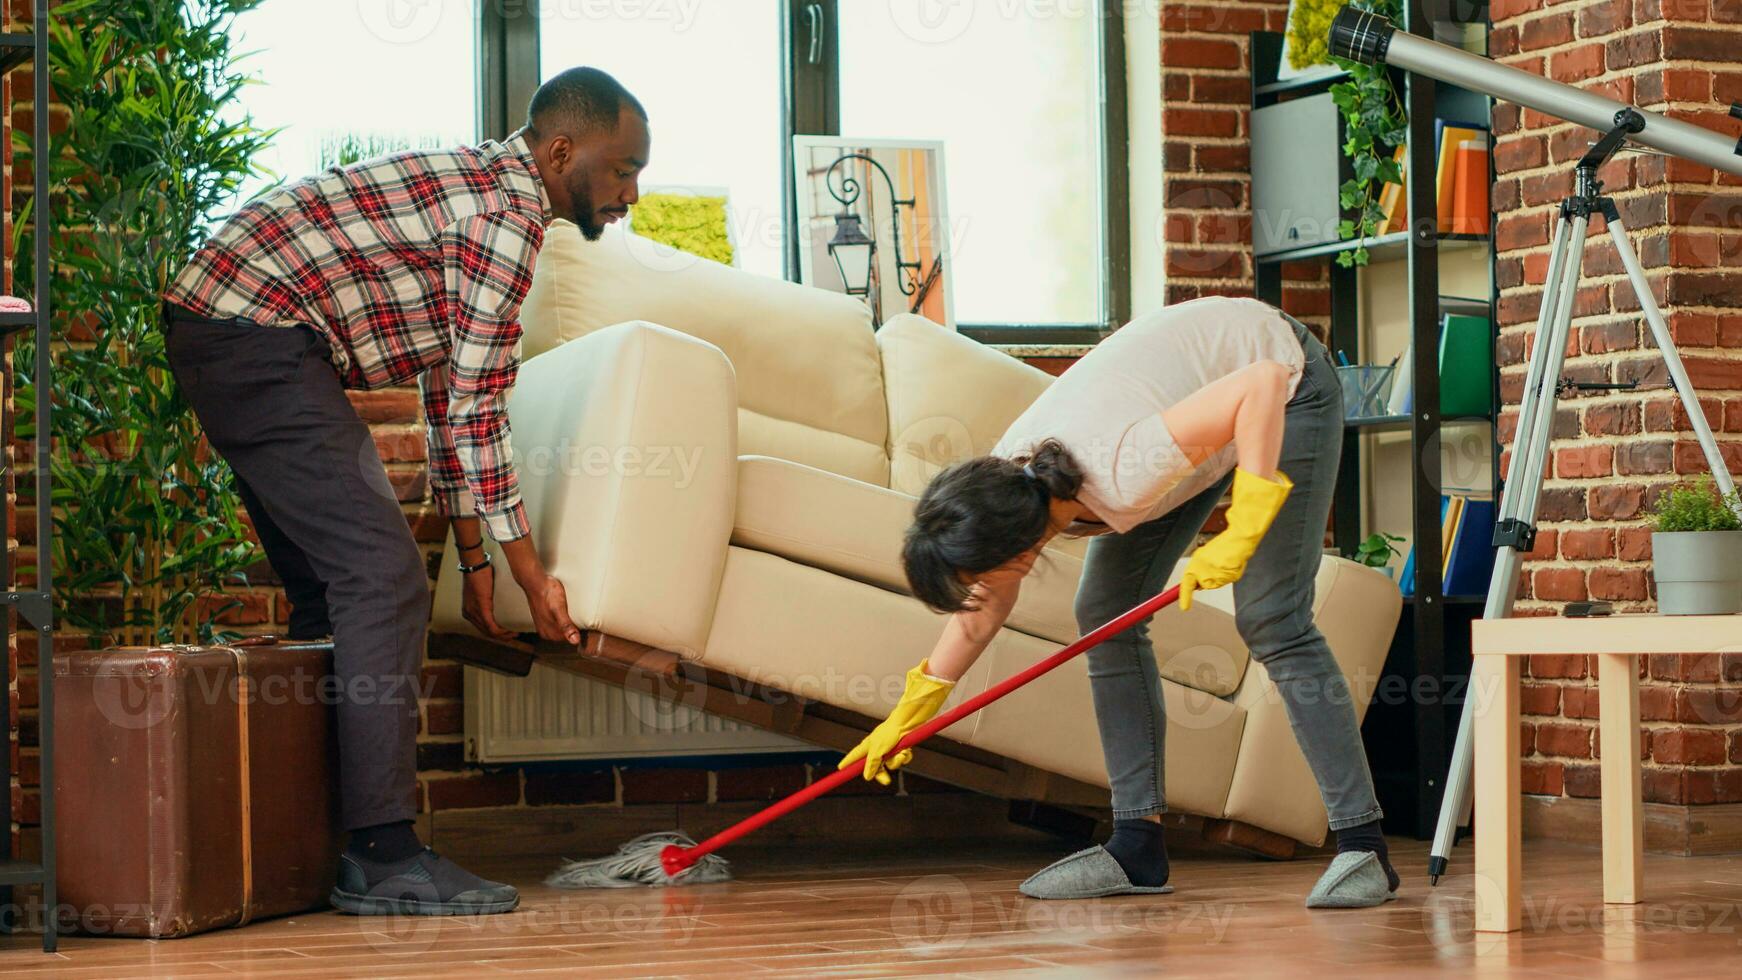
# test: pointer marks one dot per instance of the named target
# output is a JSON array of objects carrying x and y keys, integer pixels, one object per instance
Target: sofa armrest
[{"x": 626, "y": 445}]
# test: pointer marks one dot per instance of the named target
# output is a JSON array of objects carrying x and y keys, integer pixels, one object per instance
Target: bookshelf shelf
[{"x": 1409, "y": 745}]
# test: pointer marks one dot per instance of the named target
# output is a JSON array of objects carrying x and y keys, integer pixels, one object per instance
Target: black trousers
[{"x": 272, "y": 406}]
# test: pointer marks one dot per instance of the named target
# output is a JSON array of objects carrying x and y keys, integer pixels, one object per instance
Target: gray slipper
[
  {"x": 1090, "y": 873},
  {"x": 1355, "y": 880}
]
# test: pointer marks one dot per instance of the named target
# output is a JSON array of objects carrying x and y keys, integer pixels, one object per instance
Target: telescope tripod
[{"x": 1515, "y": 529}]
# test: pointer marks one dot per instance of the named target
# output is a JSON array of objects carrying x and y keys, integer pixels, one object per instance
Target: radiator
[{"x": 553, "y": 714}]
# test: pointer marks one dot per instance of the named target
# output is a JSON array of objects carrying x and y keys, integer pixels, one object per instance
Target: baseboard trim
[{"x": 1669, "y": 828}]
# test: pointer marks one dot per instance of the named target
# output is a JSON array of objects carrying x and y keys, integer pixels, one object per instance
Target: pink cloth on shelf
[{"x": 13, "y": 304}]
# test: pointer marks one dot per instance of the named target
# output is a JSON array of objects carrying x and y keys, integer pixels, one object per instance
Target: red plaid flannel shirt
[{"x": 412, "y": 265}]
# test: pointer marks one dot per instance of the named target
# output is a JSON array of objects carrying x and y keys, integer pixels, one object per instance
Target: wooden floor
[{"x": 839, "y": 913}]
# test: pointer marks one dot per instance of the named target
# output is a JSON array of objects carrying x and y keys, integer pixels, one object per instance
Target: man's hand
[
  {"x": 550, "y": 610},
  {"x": 479, "y": 605}
]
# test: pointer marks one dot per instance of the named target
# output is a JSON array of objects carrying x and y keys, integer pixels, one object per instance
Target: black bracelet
[
  {"x": 480, "y": 566},
  {"x": 467, "y": 547}
]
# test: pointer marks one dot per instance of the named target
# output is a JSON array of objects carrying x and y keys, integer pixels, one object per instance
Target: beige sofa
[{"x": 720, "y": 466}]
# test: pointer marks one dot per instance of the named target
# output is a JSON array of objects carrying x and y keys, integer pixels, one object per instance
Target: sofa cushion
[
  {"x": 855, "y": 530},
  {"x": 950, "y": 398},
  {"x": 810, "y": 381},
  {"x": 818, "y": 635}
]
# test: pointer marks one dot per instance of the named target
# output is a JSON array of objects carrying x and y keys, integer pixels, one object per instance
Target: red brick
[
  {"x": 1222, "y": 89},
  {"x": 1613, "y": 419},
  {"x": 1707, "y": 786},
  {"x": 664, "y": 786},
  {"x": 1521, "y": 153},
  {"x": 1540, "y": 699},
  {"x": 1545, "y": 32},
  {"x": 1699, "y": 44},
  {"x": 1541, "y": 778},
  {"x": 1584, "y": 782},
  {"x": 1707, "y": 706},
  {"x": 443, "y": 680},
  {"x": 1518, "y": 231},
  {"x": 399, "y": 445},
  {"x": 1584, "y": 462},
  {"x": 1735, "y": 752},
  {"x": 1643, "y": 458},
  {"x": 557, "y": 788},
  {"x": 1571, "y": 666},
  {"x": 445, "y": 717},
  {"x": 1618, "y": 584},
  {"x": 1615, "y": 503},
  {"x": 1559, "y": 585},
  {"x": 1571, "y": 741},
  {"x": 1633, "y": 544},
  {"x": 475, "y": 789},
  {"x": 1600, "y": 19},
  {"x": 1632, "y": 50},
  {"x": 758, "y": 782},
  {"x": 1179, "y": 52},
  {"x": 1579, "y": 702},
  {"x": 1688, "y": 746},
  {"x": 1588, "y": 544},
  {"x": 1664, "y": 786},
  {"x": 1577, "y": 64},
  {"x": 398, "y": 406},
  {"x": 1656, "y": 703}
]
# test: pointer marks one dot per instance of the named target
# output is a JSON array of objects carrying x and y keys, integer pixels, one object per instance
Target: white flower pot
[{"x": 1697, "y": 572}]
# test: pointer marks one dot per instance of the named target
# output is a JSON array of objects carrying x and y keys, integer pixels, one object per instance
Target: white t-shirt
[{"x": 1106, "y": 408}]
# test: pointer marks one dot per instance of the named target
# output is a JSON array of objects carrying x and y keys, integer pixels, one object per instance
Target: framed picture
[
  {"x": 687, "y": 217},
  {"x": 872, "y": 223}
]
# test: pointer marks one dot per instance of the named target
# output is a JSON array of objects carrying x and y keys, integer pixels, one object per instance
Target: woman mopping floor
[{"x": 1142, "y": 438}]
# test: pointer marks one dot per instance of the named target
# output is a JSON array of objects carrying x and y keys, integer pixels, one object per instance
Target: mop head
[{"x": 636, "y": 863}]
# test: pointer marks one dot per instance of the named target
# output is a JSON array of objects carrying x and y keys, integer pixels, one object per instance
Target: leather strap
[{"x": 245, "y": 784}]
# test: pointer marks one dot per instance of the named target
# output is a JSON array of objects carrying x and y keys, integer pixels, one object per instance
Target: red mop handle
[{"x": 675, "y": 859}]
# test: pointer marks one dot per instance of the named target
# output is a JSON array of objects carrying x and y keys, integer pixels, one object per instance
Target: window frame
[{"x": 509, "y": 73}]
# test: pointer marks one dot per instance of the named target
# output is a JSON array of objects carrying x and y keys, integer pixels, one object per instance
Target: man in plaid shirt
[{"x": 410, "y": 266}]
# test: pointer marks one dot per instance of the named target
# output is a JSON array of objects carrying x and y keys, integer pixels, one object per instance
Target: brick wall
[
  {"x": 1206, "y": 90},
  {"x": 1615, "y": 453}
]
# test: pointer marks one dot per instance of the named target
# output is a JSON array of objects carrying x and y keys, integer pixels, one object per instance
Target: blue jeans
[{"x": 1273, "y": 611}]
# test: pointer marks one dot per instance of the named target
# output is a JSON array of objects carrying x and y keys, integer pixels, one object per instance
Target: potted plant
[
  {"x": 1378, "y": 550},
  {"x": 1696, "y": 548}
]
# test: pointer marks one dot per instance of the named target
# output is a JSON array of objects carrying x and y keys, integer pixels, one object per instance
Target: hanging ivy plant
[{"x": 1373, "y": 115}]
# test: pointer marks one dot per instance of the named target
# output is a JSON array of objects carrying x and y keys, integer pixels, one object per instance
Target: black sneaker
[{"x": 427, "y": 884}]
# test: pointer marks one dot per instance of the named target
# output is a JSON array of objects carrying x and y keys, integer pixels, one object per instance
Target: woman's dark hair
[{"x": 979, "y": 514}]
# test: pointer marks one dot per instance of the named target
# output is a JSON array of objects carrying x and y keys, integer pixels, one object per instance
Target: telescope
[{"x": 1366, "y": 38}]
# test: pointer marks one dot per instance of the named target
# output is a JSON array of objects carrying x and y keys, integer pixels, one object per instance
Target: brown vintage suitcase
[{"x": 194, "y": 786}]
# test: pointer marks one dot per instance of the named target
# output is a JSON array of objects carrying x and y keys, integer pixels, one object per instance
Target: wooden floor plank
[{"x": 801, "y": 912}]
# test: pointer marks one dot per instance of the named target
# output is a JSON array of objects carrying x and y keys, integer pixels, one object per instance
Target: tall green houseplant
[{"x": 147, "y": 528}]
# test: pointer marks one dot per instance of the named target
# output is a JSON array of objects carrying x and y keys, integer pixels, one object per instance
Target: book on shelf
[
  {"x": 1392, "y": 203},
  {"x": 1470, "y": 213},
  {"x": 1449, "y": 137},
  {"x": 1466, "y": 360},
  {"x": 1466, "y": 546}
]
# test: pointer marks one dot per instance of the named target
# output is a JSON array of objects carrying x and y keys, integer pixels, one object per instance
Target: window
[
  {"x": 1013, "y": 93},
  {"x": 360, "y": 80},
  {"x": 709, "y": 75}
]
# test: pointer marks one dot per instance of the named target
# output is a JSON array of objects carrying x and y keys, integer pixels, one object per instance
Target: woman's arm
[
  {"x": 1244, "y": 408},
  {"x": 970, "y": 631}
]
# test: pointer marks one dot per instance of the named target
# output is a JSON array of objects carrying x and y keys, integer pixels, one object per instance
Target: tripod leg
[
  {"x": 1678, "y": 375},
  {"x": 1518, "y": 500}
]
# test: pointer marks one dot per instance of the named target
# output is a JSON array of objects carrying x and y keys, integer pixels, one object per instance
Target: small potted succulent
[
  {"x": 1378, "y": 550},
  {"x": 1696, "y": 550}
]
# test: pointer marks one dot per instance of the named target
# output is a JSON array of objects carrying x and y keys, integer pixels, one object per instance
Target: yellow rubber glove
[
  {"x": 920, "y": 702},
  {"x": 1222, "y": 559}
]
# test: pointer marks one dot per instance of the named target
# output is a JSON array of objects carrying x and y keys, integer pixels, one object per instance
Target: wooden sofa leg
[{"x": 1250, "y": 839}]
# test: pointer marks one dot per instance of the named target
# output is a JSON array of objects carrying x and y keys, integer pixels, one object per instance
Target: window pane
[
  {"x": 345, "y": 79},
  {"x": 1012, "y": 91},
  {"x": 709, "y": 76}
]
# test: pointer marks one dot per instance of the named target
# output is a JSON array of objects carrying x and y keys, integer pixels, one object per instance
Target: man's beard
[{"x": 585, "y": 216}]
